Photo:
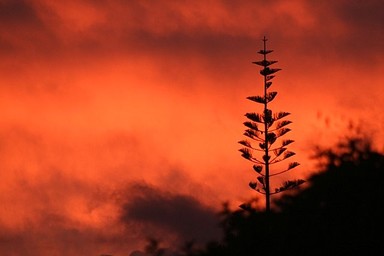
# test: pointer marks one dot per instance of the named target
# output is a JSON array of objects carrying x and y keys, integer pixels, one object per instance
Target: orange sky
[{"x": 110, "y": 109}]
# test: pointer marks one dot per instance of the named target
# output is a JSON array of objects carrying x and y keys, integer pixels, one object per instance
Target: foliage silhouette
[
  {"x": 153, "y": 248},
  {"x": 340, "y": 211},
  {"x": 265, "y": 129}
]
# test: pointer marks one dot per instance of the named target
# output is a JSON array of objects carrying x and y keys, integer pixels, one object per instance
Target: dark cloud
[
  {"x": 218, "y": 33},
  {"x": 50, "y": 227},
  {"x": 17, "y": 14},
  {"x": 179, "y": 215},
  {"x": 22, "y": 31},
  {"x": 365, "y": 22},
  {"x": 54, "y": 208},
  {"x": 364, "y": 16},
  {"x": 343, "y": 31}
]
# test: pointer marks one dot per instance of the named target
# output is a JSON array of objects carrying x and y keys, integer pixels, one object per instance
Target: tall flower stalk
[{"x": 265, "y": 130}]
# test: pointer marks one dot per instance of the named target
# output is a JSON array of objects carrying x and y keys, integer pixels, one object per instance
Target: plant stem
[{"x": 266, "y": 160}]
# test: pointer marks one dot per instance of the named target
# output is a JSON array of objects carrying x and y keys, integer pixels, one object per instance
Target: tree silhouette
[
  {"x": 344, "y": 202},
  {"x": 340, "y": 212},
  {"x": 265, "y": 129},
  {"x": 153, "y": 248}
]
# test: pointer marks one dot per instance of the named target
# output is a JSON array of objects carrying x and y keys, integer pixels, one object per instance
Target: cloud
[
  {"x": 16, "y": 14},
  {"x": 57, "y": 214},
  {"x": 60, "y": 215},
  {"x": 54, "y": 205},
  {"x": 96, "y": 95},
  {"x": 24, "y": 34},
  {"x": 172, "y": 215},
  {"x": 206, "y": 37}
]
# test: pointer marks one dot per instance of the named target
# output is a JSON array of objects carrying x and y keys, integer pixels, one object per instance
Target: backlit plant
[{"x": 264, "y": 145}]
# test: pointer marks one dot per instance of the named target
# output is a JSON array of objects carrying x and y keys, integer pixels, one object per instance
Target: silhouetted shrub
[{"x": 340, "y": 211}]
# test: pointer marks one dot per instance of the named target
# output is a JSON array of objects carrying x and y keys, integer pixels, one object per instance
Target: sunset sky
[{"x": 120, "y": 119}]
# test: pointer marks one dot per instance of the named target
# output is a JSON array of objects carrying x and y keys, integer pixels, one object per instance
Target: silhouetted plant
[
  {"x": 265, "y": 130},
  {"x": 340, "y": 212},
  {"x": 153, "y": 248}
]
